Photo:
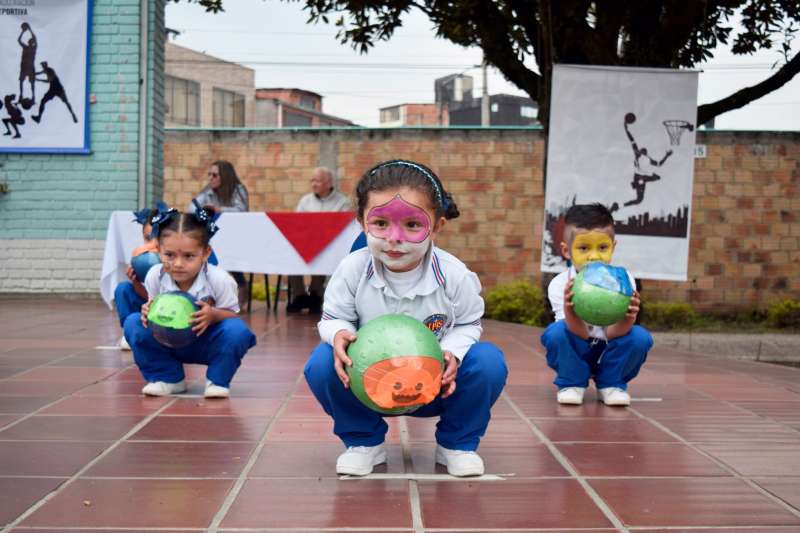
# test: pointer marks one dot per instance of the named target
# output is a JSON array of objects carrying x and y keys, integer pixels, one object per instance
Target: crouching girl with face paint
[{"x": 402, "y": 207}]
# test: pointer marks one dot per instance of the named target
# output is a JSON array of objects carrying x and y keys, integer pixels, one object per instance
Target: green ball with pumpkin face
[{"x": 397, "y": 365}]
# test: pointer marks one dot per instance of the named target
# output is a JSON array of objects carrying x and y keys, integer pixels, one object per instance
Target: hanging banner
[
  {"x": 44, "y": 85},
  {"x": 624, "y": 137}
]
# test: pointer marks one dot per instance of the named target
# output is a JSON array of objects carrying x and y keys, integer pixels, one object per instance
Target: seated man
[{"x": 324, "y": 197}]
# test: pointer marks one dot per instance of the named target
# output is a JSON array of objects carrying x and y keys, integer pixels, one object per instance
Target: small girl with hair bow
[{"x": 222, "y": 337}]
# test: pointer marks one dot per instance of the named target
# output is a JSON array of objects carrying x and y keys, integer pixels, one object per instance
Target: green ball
[
  {"x": 397, "y": 365},
  {"x": 170, "y": 318},
  {"x": 601, "y": 294}
]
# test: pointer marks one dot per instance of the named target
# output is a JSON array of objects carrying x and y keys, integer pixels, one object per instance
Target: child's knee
[
  {"x": 554, "y": 334},
  {"x": 237, "y": 332},
  {"x": 485, "y": 361},
  {"x": 133, "y": 324},
  {"x": 122, "y": 290},
  {"x": 640, "y": 338},
  {"x": 319, "y": 367}
]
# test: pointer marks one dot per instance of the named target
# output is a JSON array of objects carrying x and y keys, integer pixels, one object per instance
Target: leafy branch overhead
[{"x": 525, "y": 38}]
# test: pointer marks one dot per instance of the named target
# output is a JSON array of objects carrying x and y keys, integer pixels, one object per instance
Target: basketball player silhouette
[
  {"x": 56, "y": 89},
  {"x": 14, "y": 117},
  {"x": 27, "y": 65},
  {"x": 644, "y": 166}
]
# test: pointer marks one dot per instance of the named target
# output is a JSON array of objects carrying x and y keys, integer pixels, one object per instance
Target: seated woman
[{"x": 225, "y": 193}]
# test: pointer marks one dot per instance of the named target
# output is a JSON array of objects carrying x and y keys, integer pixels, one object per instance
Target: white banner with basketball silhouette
[
  {"x": 43, "y": 76},
  {"x": 624, "y": 137}
]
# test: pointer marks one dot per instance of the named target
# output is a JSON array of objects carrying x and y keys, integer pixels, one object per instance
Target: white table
[{"x": 245, "y": 242}]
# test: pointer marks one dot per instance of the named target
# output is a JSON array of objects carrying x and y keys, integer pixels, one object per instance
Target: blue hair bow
[
  {"x": 162, "y": 217},
  {"x": 142, "y": 215},
  {"x": 204, "y": 218}
]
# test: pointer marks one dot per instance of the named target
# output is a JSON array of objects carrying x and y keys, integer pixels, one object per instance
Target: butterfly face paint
[
  {"x": 398, "y": 234},
  {"x": 399, "y": 221}
]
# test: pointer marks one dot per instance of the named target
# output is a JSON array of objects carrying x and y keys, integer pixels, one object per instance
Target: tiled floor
[{"x": 708, "y": 445}]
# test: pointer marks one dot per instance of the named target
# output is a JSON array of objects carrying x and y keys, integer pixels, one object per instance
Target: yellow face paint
[{"x": 589, "y": 246}]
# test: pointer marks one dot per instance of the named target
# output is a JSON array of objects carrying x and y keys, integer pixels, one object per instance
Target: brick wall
[
  {"x": 53, "y": 219},
  {"x": 745, "y": 235}
]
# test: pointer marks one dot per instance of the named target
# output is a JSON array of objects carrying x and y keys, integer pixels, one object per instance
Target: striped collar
[{"x": 433, "y": 279}]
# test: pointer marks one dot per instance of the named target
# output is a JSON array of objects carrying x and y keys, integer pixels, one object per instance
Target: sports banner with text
[
  {"x": 624, "y": 137},
  {"x": 44, "y": 46}
]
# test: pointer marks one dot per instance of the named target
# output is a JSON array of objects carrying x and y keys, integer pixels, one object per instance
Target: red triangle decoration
[{"x": 310, "y": 233}]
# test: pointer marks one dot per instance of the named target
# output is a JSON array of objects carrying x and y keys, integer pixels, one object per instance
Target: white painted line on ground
[{"x": 426, "y": 477}]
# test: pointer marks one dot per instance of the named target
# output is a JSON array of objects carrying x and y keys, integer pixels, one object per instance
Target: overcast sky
[{"x": 259, "y": 33}]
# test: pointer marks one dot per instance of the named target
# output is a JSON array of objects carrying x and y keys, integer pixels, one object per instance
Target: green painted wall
[
  {"x": 54, "y": 196},
  {"x": 53, "y": 218}
]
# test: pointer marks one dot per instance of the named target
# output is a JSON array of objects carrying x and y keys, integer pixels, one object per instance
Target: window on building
[
  {"x": 309, "y": 102},
  {"x": 390, "y": 115},
  {"x": 495, "y": 107},
  {"x": 527, "y": 111},
  {"x": 291, "y": 119},
  {"x": 228, "y": 109},
  {"x": 183, "y": 101}
]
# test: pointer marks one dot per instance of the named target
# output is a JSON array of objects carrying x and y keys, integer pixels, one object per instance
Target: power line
[{"x": 411, "y": 66}]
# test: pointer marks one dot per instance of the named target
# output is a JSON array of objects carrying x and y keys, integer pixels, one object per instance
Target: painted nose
[{"x": 395, "y": 233}]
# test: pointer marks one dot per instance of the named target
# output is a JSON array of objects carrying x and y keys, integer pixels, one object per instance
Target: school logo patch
[{"x": 435, "y": 323}]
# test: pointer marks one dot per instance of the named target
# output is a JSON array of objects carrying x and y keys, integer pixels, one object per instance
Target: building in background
[
  {"x": 455, "y": 105},
  {"x": 414, "y": 115},
  {"x": 292, "y": 108},
  {"x": 504, "y": 110},
  {"x": 204, "y": 91},
  {"x": 208, "y": 92}
]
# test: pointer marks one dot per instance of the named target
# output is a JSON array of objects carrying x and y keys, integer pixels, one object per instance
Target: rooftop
[{"x": 708, "y": 444}]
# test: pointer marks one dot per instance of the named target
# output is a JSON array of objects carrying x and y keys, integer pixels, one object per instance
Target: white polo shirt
[
  {"x": 335, "y": 201},
  {"x": 555, "y": 292},
  {"x": 211, "y": 282},
  {"x": 446, "y": 299}
]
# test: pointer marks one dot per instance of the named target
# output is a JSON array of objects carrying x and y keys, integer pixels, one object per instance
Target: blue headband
[{"x": 437, "y": 187}]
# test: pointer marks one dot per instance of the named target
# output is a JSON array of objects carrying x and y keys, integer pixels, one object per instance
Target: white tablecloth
[{"x": 245, "y": 242}]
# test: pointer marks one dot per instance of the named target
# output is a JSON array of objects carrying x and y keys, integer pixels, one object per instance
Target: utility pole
[{"x": 485, "y": 116}]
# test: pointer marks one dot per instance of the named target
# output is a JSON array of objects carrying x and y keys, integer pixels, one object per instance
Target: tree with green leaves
[{"x": 515, "y": 34}]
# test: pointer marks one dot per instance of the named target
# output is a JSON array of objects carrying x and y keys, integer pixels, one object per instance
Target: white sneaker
[
  {"x": 614, "y": 396},
  {"x": 359, "y": 460},
  {"x": 459, "y": 463},
  {"x": 123, "y": 344},
  {"x": 162, "y": 388},
  {"x": 216, "y": 391},
  {"x": 571, "y": 395}
]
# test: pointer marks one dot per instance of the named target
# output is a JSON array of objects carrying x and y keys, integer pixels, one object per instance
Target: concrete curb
[{"x": 753, "y": 347}]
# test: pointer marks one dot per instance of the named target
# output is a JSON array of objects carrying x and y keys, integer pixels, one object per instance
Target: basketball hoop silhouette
[{"x": 675, "y": 130}]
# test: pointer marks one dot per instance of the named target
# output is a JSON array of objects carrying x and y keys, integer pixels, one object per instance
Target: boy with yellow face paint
[{"x": 578, "y": 351}]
